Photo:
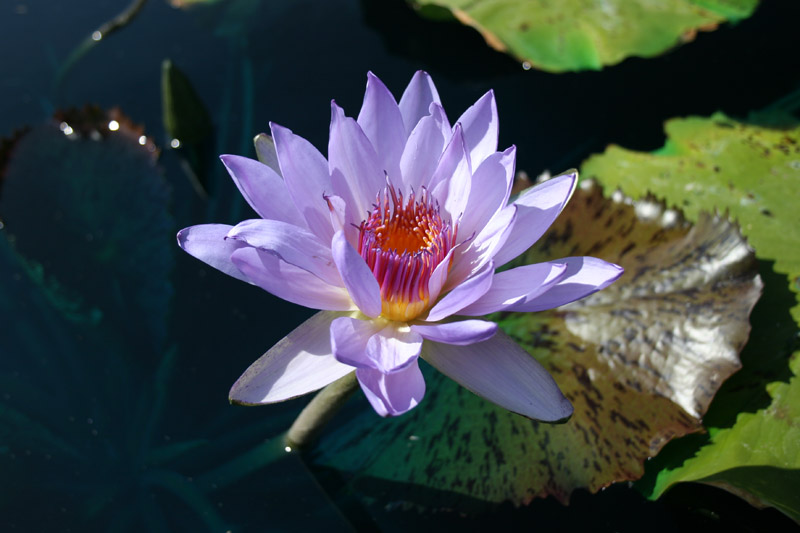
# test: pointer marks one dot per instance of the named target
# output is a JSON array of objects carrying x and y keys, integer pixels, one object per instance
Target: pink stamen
[{"x": 403, "y": 243}]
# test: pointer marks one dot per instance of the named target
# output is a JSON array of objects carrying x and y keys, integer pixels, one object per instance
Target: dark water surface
[{"x": 115, "y": 365}]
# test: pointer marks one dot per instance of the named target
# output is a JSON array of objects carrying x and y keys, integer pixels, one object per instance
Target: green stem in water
[
  {"x": 305, "y": 429},
  {"x": 120, "y": 21},
  {"x": 311, "y": 420}
]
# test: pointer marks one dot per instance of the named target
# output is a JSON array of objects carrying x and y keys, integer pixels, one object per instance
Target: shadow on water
[
  {"x": 557, "y": 120},
  {"x": 616, "y": 508},
  {"x": 107, "y": 418},
  {"x": 773, "y": 339}
]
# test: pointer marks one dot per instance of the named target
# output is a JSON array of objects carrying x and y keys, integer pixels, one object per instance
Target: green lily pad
[
  {"x": 757, "y": 459},
  {"x": 750, "y": 170},
  {"x": 640, "y": 362},
  {"x": 574, "y": 35},
  {"x": 753, "y": 172}
]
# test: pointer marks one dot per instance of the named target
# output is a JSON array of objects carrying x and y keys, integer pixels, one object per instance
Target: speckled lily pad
[
  {"x": 640, "y": 361},
  {"x": 751, "y": 169}
]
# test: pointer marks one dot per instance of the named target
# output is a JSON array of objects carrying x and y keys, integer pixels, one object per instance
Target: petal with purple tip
[
  {"x": 207, "y": 243},
  {"x": 357, "y": 277},
  {"x": 537, "y": 207},
  {"x": 392, "y": 394},
  {"x": 300, "y": 363},
  {"x": 381, "y": 122},
  {"x": 349, "y": 338},
  {"x": 500, "y": 371},
  {"x": 295, "y": 245},
  {"x": 305, "y": 171},
  {"x": 481, "y": 128},
  {"x": 452, "y": 180},
  {"x": 355, "y": 172},
  {"x": 263, "y": 189},
  {"x": 452, "y": 158},
  {"x": 583, "y": 276},
  {"x": 423, "y": 149},
  {"x": 394, "y": 348},
  {"x": 517, "y": 285},
  {"x": 289, "y": 282},
  {"x": 491, "y": 184},
  {"x": 463, "y": 295},
  {"x": 417, "y": 98},
  {"x": 336, "y": 210},
  {"x": 439, "y": 275},
  {"x": 460, "y": 333},
  {"x": 482, "y": 248}
]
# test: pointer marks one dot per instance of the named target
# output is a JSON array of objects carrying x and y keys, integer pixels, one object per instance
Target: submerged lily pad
[
  {"x": 85, "y": 189},
  {"x": 753, "y": 171},
  {"x": 578, "y": 35},
  {"x": 640, "y": 361},
  {"x": 91, "y": 407}
]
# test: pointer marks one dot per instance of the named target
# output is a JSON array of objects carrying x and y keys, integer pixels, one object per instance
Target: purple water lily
[{"x": 396, "y": 238}]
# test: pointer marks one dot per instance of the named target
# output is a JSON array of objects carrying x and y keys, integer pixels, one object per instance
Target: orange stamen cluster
[{"x": 403, "y": 243}]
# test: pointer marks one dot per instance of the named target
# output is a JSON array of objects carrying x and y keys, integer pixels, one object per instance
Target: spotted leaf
[
  {"x": 640, "y": 361},
  {"x": 752, "y": 170}
]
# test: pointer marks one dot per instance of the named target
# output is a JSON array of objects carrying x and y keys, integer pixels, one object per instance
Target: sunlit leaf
[
  {"x": 579, "y": 35},
  {"x": 751, "y": 169},
  {"x": 758, "y": 458},
  {"x": 640, "y": 361}
]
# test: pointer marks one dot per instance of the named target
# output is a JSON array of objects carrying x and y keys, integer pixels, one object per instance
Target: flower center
[{"x": 403, "y": 243}]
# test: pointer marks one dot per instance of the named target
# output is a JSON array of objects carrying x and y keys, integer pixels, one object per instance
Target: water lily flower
[{"x": 396, "y": 237}]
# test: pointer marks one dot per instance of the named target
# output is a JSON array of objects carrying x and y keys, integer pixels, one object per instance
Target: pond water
[{"x": 118, "y": 350}]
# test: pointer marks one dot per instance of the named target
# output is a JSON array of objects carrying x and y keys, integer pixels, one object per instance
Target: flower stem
[
  {"x": 120, "y": 21},
  {"x": 319, "y": 411}
]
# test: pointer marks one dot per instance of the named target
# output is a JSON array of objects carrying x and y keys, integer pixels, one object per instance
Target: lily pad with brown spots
[
  {"x": 752, "y": 170},
  {"x": 640, "y": 361}
]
